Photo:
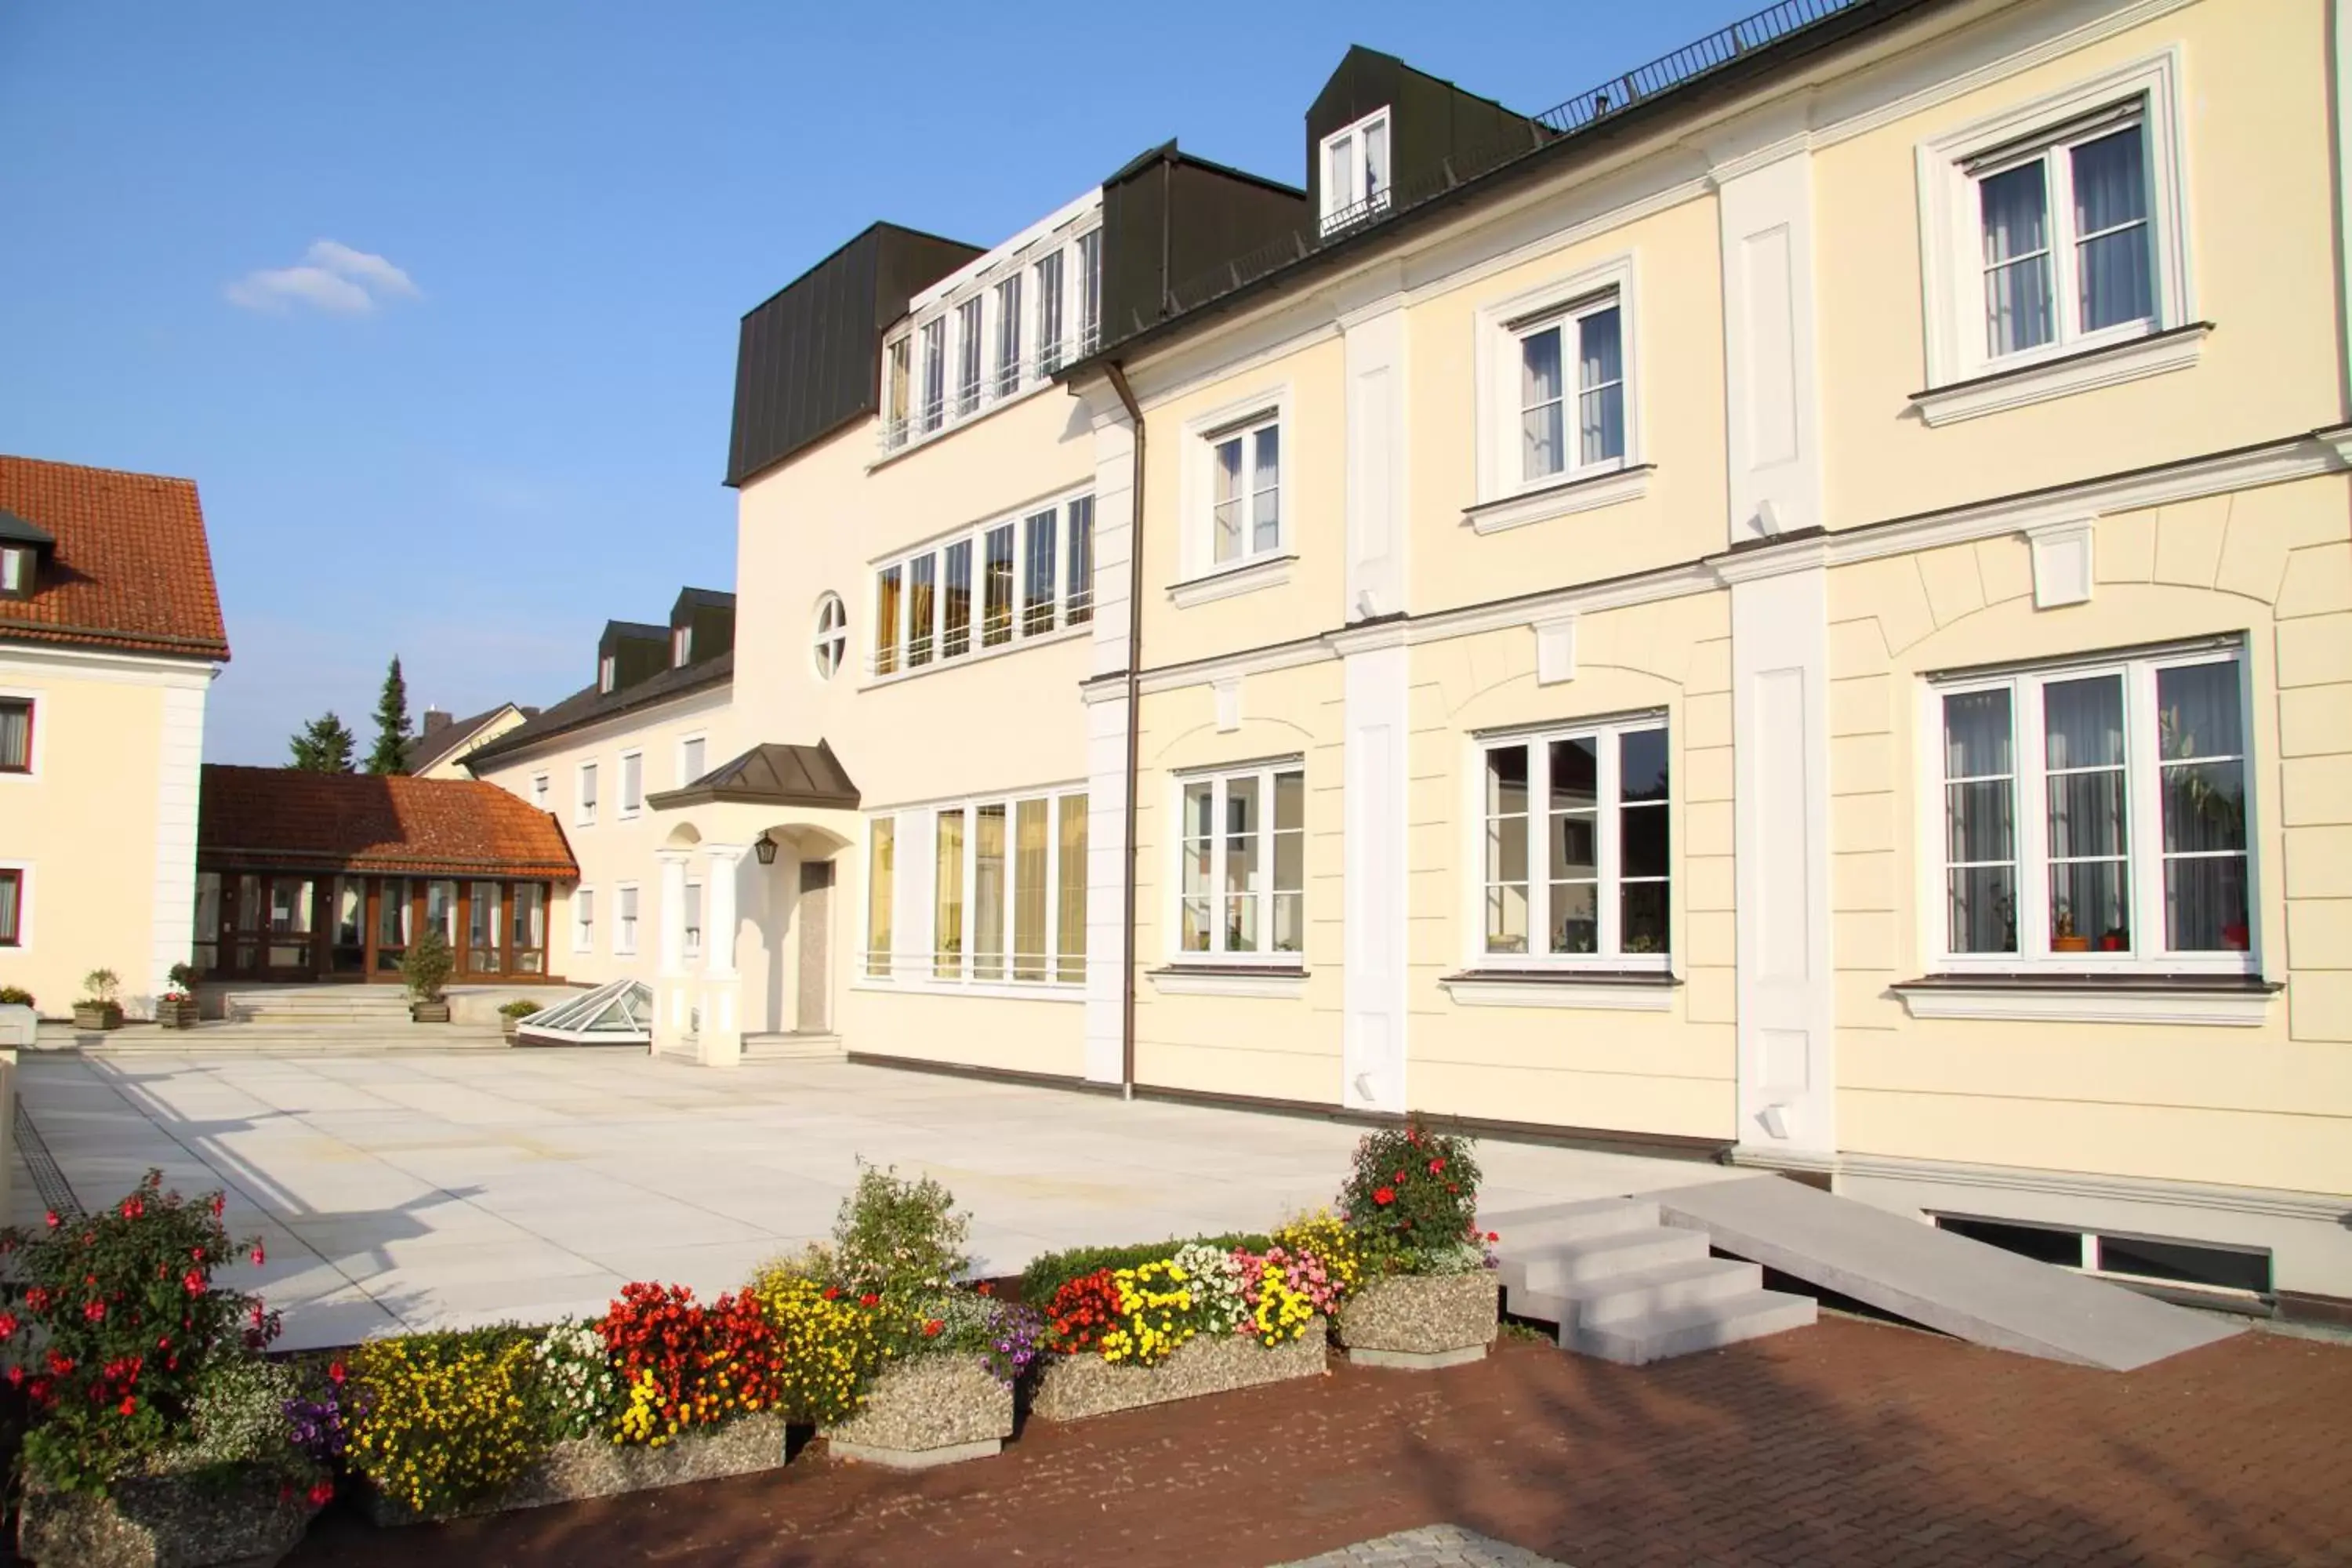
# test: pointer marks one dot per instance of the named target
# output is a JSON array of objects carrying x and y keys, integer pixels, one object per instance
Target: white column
[
  {"x": 721, "y": 1040},
  {"x": 175, "y": 906},
  {"x": 1106, "y": 720},
  {"x": 673, "y": 994}
]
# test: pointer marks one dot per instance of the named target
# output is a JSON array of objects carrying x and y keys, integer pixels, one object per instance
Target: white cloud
[{"x": 331, "y": 276}]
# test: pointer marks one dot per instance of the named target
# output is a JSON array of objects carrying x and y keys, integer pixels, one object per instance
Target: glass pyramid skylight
[{"x": 620, "y": 1013}]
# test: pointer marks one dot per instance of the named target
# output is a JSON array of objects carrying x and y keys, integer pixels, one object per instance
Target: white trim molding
[
  {"x": 1644, "y": 993},
  {"x": 1267, "y": 572},
  {"x": 2223, "y": 1006},
  {"x": 2062, "y": 558},
  {"x": 1560, "y": 499},
  {"x": 2134, "y": 359},
  {"x": 1200, "y": 979}
]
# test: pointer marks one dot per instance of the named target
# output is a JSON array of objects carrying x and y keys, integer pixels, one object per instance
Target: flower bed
[
  {"x": 1077, "y": 1386},
  {"x": 576, "y": 1468},
  {"x": 929, "y": 1410}
]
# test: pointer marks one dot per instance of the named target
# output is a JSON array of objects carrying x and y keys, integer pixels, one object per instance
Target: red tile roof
[
  {"x": 130, "y": 569},
  {"x": 279, "y": 819}
]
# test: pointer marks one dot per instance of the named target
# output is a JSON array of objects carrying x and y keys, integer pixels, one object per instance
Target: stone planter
[
  {"x": 162, "y": 1521},
  {"x": 1420, "y": 1321},
  {"x": 597, "y": 1467},
  {"x": 176, "y": 1014},
  {"x": 95, "y": 1016},
  {"x": 429, "y": 1012},
  {"x": 1082, "y": 1385},
  {"x": 932, "y": 1410}
]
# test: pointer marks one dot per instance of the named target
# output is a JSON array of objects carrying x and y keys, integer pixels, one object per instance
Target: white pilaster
[
  {"x": 1107, "y": 719},
  {"x": 673, "y": 989},
  {"x": 1372, "y": 1066},
  {"x": 720, "y": 1042},
  {"x": 1780, "y": 657},
  {"x": 180, "y": 771},
  {"x": 1377, "y": 447}
]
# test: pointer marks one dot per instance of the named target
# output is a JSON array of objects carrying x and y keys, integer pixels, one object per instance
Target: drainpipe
[{"x": 1134, "y": 731}]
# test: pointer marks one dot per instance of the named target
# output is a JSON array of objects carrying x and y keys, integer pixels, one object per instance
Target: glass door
[
  {"x": 245, "y": 950},
  {"x": 394, "y": 918},
  {"x": 482, "y": 932},
  {"x": 527, "y": 943},
  {"x": 204, "y": 951},
  {"x": 289, "y": 925},
  {"x": 347, "y": 928}
]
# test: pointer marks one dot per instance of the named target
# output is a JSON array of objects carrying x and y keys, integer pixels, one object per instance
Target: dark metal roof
[
  {"x": 699, "y": 598},
  {"x": 590, "y": 705},
  {"x": 771, "y": 774},
  {"x": 423, "y": 750},
  {"x": 1724, "y": 63},
  {"x": 13, "y": 527}
]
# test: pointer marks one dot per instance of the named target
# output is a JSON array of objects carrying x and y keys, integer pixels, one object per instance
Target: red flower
[
  {"x": 1437, "y": 1167},
  {"x": 986, "y": 1288},
  {"x": 53, "y": 1220},
  {"x": 15, "y": 1376},
  {"x": 219, "y": 1203},
  {"x": 931, "y": 1329},
  {"x": 193, "y": 1282},
  {"x": 132, "y": 1208},
  {"x": 831, "y": 1291},
  {"x": 335, "y": 1373},
  {"x": 869, "y": 1300},
  {"x": 95, "y": 1311},
  {"x": 1399, "y": 1175},
  {"x": 1494, "y": 1235},
  {"x": 37, "y": 1299},
  {"x": 256, "y": 1255},
  {"x": 1384, "y": 1195},
  {"x": 7, "y": 1325},
  {"x": 130, "y": 1406},
  {"x": 322, "y": 1493}
]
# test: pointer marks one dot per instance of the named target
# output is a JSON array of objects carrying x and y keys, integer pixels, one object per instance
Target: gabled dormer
[
  {"x": 701, "y": 626},
  {"x": 628, "y": 652},
  {"x": 25, "y": 549},
  {"x": 1382, "y": 134}
]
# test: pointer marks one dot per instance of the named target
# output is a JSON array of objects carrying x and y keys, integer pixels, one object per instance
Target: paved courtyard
[{"x": 407, "y": 1190}]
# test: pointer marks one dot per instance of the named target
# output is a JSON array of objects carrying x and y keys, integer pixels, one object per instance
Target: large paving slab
[
  {"x": 1948, "y": 1282},
  {"x": 422, "y": 1190}
]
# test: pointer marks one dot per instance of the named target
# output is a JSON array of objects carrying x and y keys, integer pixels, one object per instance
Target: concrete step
[
  {"x": 792, "y": 1048},
  {"x": 1558, "y": 1269},
  {"x": 1693, "y": 1283},
  {"x": 1574, "y": 1221},
  {"x": 1684, "y": 1331}
]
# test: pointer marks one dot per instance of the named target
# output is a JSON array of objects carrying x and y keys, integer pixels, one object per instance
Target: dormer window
[
  {"x": 681, "y": 647},
  {"x": 608, "y": 672},
  {"x": 19, "y": 569},
  {"x": 1356, "y": 171}
]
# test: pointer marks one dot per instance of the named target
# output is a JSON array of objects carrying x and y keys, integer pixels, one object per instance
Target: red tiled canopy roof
[
  {"x": 130, "y": 569},
  {"x": 265, "y": 819}
]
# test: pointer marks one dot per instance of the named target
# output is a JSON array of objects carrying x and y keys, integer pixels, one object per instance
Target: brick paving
[{"x": 1845, "y": 1443}]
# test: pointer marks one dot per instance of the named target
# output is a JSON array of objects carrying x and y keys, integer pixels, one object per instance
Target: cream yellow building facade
[{"x": 1800, "y": 612}]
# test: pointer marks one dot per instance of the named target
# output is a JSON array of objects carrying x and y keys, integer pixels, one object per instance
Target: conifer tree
[
  {"x": 322, "y": 746},
  {"x": 392, "y": 731}
]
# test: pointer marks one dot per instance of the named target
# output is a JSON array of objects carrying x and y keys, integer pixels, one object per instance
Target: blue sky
[{"x": 437, "y": 302}]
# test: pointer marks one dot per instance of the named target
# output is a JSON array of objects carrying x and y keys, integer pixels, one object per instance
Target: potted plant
[
  {"x": 1428, "y": 1298},
  {"x": 2064, "y": 938},
  {"x": 427, "y": 968},
  {"x": 99, "y": 1009},
  {"x": 176, "y": 1009},
  {"x": 157, "y": 1433},
  {"x": 513, "y": 1012}
]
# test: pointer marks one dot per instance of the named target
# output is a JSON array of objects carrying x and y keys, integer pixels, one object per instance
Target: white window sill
[
  {"x": 1616, "y": 991},
  {"x": 1230, "y": 980},
  {"x": 1021, "y": 991},
  {"x": 936, "y": 665},
  {"x": 2111, "y": 365},
  {"x": 1587, "y": 494},
  {"x": 1266, "y": 572},
  {"x": 2220, "y": 1000}
]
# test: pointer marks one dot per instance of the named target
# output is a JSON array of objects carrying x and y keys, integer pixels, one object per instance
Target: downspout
[{"x": 1134, "y": 731}]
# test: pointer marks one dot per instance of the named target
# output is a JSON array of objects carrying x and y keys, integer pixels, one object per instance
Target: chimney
[{"x": 435, "y": 718}]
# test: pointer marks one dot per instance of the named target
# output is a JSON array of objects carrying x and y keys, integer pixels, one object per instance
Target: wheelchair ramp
[{"x": 1933, "y": 1278}]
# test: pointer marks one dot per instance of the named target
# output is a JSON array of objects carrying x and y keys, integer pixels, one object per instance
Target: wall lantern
[{"x": 766, "y": 848}]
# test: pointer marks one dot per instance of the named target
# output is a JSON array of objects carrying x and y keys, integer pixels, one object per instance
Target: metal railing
[{"x": 1569, "y": 118}]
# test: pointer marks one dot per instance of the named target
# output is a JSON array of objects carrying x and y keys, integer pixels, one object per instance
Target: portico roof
[{"x": 771, "y": 774}]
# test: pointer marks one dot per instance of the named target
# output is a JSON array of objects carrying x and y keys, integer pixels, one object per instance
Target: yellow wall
[{"x": 453, "y": 766}]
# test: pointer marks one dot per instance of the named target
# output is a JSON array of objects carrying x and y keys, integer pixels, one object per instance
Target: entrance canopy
[{"x": 771, "y": 773}]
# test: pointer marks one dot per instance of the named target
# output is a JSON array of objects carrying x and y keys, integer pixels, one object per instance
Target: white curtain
[
  {"x": 2016, "y": 210},
  {"x": 2112, "y": 231},
  {"x": 1601, "y": 387},
  {"x": 1543, "y": 452},
  {"x": 15, "y": 737}
]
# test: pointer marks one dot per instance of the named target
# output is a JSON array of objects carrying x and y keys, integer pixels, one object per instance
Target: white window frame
[
  {"x": 916, "y": 957},
  {"x": 1087, "y": 249},
  {"x": 687, "y": 771},
  {"x": 1950, "y": 221},
  {"x": 2143, "y": 820},
  {"x": 540, "y": 791},
  {"x": 35, "y": 698},
  {"x": 829, "y": 644},
  {"x": 583, "y": 920},
  {"x": 608, "y": 673},
  {"x": 627, "y": 909},
  {"x": 1608, "y": 844},
  {"x": 1008, "y": 367},
  {"x": 1501, "y": 325},
  {"x": 1197, "y": 490},
  {"x": 1358, "y": 204},
  {"x": 1067, "y": 508},
  {"x": 19, "y": 570},
  {"x": 583, "y": 796},
  {"x": 690, "y": 919},
  {"x": 633, "y": 781},
  {"x": 1218, "y": 956}
]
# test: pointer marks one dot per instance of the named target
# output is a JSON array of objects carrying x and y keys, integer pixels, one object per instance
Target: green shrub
[
  {"x": 184, "y": 976},
  {"x": 1048, "y": 1273},
  {"x": 102, "y": 985},
  {"x": 518, "y": 1008},
  {"x": 427, "y": 965},
  {"x": 238, "y": 1420},
  {"x": 899, "y": 1237},
  {"x": 1413, "y": 1199},
  {"x": 15, "y": 996}
]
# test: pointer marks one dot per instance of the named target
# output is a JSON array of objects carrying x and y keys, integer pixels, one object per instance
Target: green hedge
[{"x": 1050, "y": 1272}]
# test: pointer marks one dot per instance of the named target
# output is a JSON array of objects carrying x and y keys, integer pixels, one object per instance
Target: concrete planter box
[
  {"x": 932, "y": 1410},
  {"x": 176, "y": 1014},
  {"x": 1420, "y": 1321},
  {"x": 584, "y": 1468},
  {"x": 1081, "y": 1385},
  {"x": 96, "y": 1016},
  {"x": 162, "y": 1521}
]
